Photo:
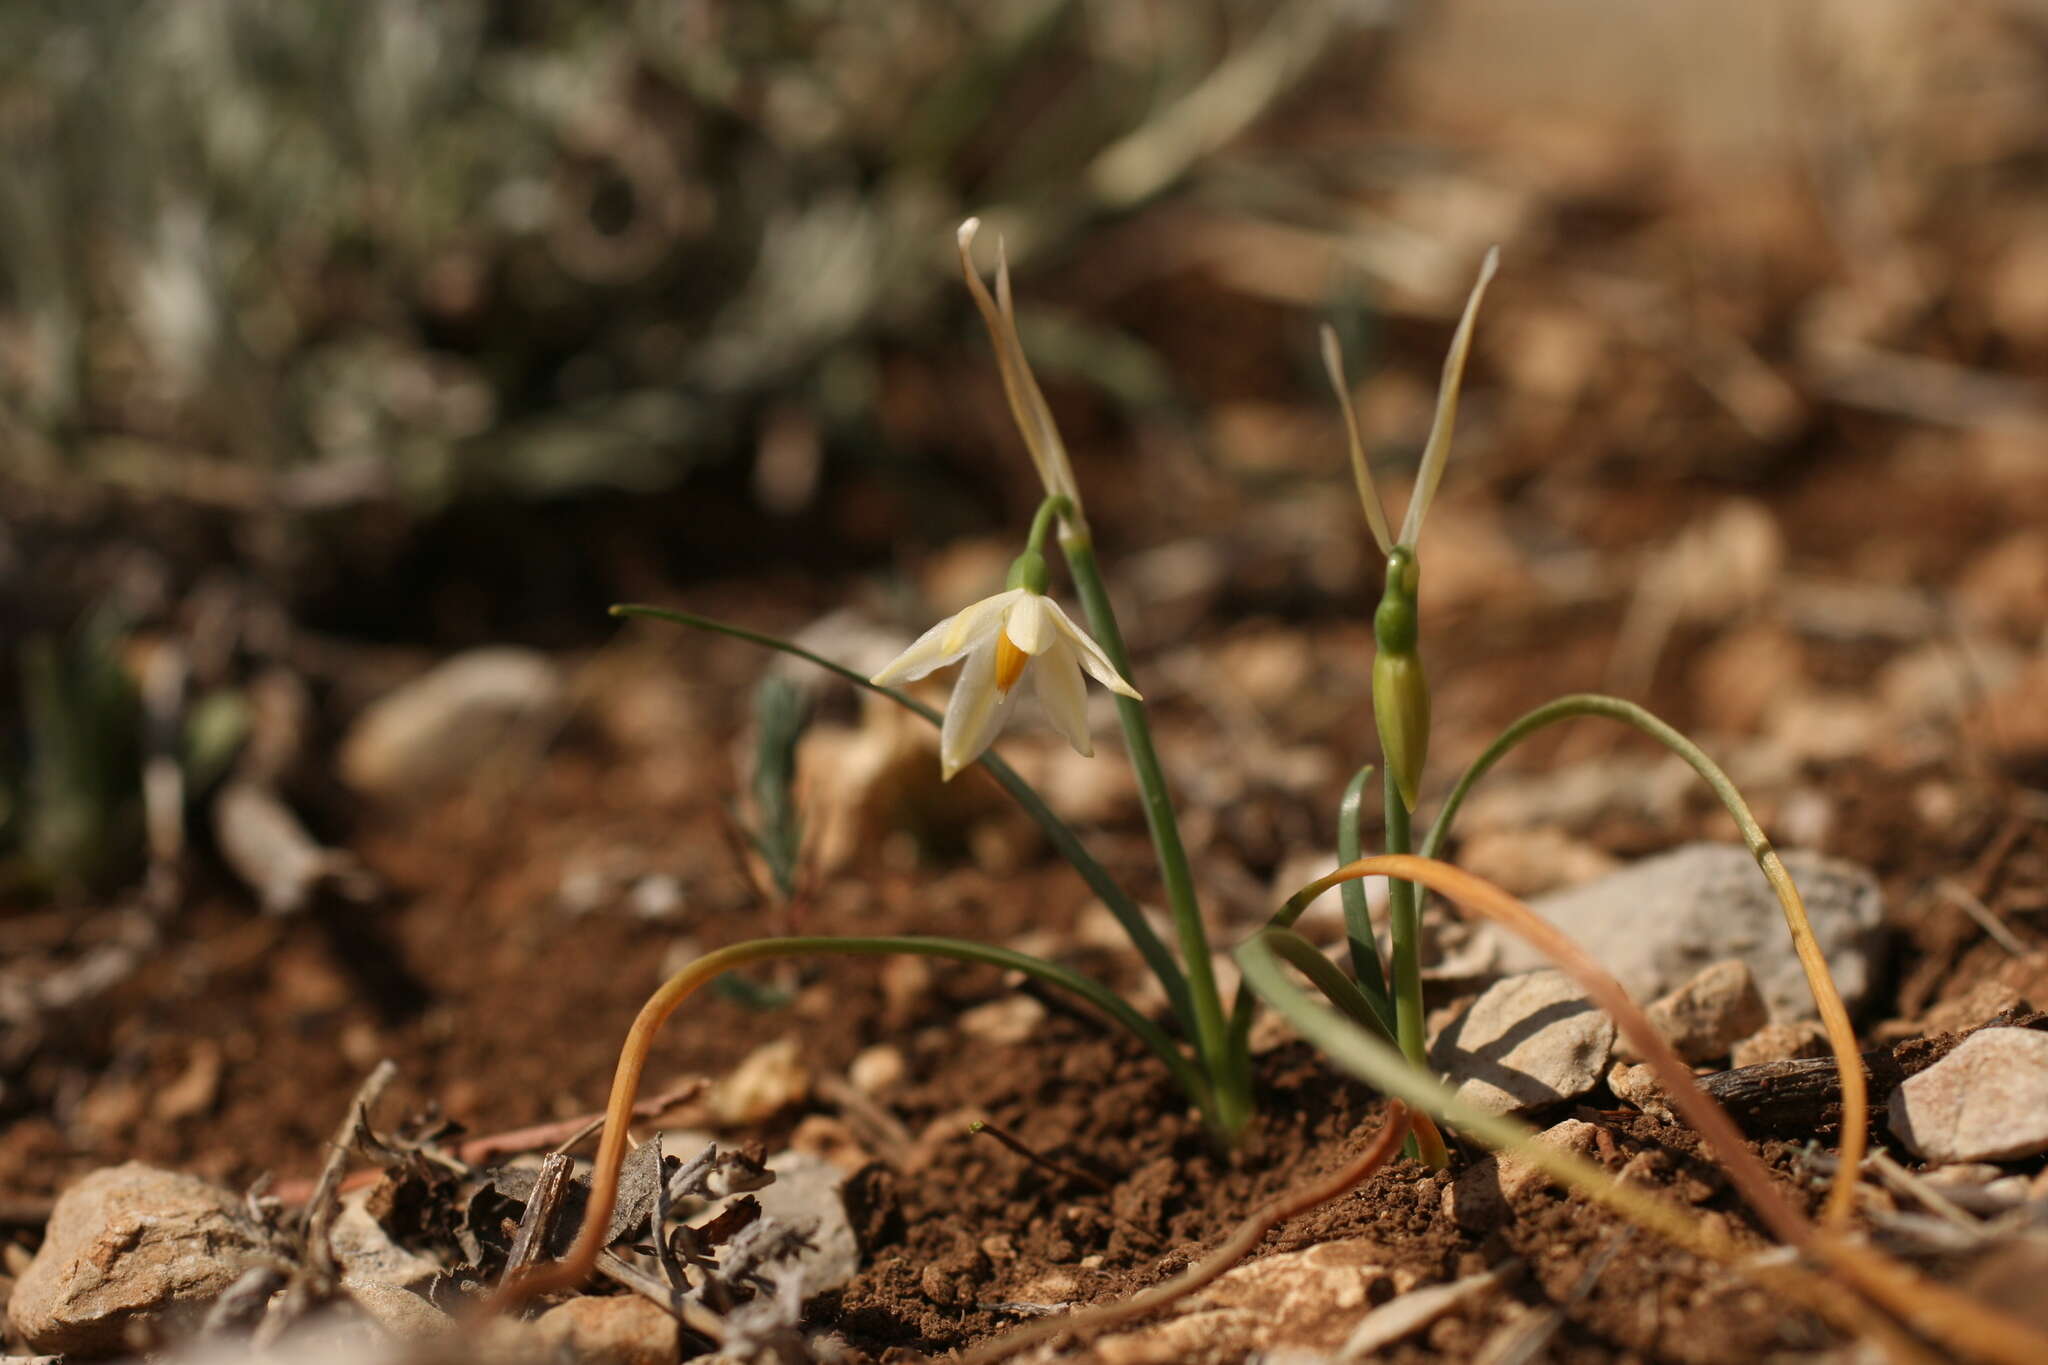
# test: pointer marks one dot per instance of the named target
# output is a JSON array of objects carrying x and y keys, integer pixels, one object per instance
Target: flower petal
[
  {"x": 974, "y": 715},
  {"x": 1089, "y": 654},
  {"x": 1027, "y": 624},
  {"x": 946, "y": 641},
  {"x": 973, "y": 624},
  {"x": 1057, "y": 678}
]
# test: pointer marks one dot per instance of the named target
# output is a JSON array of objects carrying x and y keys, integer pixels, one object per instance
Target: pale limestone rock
[
  {"x": 1002, "y": 1022},
  {"x": 768, "y": 1080},
  {"x": 1480, "y": 1196},
  {"x": 1985, "y": 1101},
  {"x": 1529, "y": 1041},
  {"x": 402, "y": 1313},
  {"x": 1310, "y": 1300},
  {"x": 1411, "y": 1312},
  {"x": 365, "y": 1251},
  {"x": 436, "y": 730},
  {"x": 1637, "y": 1085},
  {"x": 877, "y": 1070},
  {"x": 618, "y": 1329},
  {"x": 1656, "y": 923},
  {"x": 130, "y": 1247},
  {"x": 1707, "y": 1015},
  {"x": 807, "y": 1195},
  {"x": 1781, "y": 1042}
]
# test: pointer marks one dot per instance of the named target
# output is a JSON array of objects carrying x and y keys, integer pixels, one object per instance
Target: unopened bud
[{"x": 1400, "y": 692}]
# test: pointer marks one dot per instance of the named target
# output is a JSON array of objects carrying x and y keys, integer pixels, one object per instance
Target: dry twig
[
  {"x": 326, "y": 1201},
  {"x": 1038, "y": 1159},
  {"x": 537, "y": 1224}
]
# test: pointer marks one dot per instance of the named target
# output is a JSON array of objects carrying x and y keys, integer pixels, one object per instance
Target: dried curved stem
[
  {"x": 1819, "y": 980},
  {"x": 575, "y": 1267},
  {"x": 1975, "y": 1329},
  {"x": 1234, "y": 1248},
  {"x": 1381, "y": 1065}
]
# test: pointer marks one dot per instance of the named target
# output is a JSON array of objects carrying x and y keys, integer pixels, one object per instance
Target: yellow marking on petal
[
  {"x": 958, "y": 634},
  {"x": 1010, "y": 662}
]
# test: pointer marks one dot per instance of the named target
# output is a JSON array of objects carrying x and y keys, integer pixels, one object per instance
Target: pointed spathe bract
[
  {"x": 1361, "y": 471},
  {"x": 1439, "y": 448},
  {"x": 1028, "y": 407}
]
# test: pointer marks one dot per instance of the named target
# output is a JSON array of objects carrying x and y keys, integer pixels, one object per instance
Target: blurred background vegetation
[
  {"x": 436, "y": 249},
  {"x": 441, "y": 322}
]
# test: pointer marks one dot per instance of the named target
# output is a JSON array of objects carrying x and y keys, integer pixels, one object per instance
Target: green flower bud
[
  {"x": 1400, "y": 703},
  {"x": 1028, "y": 570},
  {"x": 1400, "y": 692}
]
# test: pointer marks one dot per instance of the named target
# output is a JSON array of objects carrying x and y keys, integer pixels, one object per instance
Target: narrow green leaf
[
  {"x": 1324, "y": 975},
  {"x": 1061, "y": 835},
  {"x": 1365, "y": 951},
  {"x": 1381, "y": 1065}
]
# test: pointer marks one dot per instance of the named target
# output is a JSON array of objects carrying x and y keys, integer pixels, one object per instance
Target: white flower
[{"x": 1000, "y": 637}]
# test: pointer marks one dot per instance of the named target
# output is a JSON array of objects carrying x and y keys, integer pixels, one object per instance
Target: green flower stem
[
  {"x": 1157, "y": 955},
  {"x": 1404, "y": 923},
  {"x": 1365, "y": 951},
  {"x": 1386, "y": 1070},
  {"x": 1055, "y": 506},
  {"x": 1212, "y": 1035},
  {"x": 1404, "y": 947}
]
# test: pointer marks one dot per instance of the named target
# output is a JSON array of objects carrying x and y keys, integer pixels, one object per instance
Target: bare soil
[{"x": 1606, "y": 421}]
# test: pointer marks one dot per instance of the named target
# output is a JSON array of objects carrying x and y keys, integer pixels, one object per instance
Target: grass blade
[
  {"x": 1971, "y": 1329},
  {"x": 1365, "y": 950},
  {"x": 575, "y": 1267},
  {"x": 1826, "y": 997}
]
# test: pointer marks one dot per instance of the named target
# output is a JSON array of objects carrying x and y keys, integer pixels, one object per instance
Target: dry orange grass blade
[
  {"x": 1971, "y": 1329},
  {"x": 1827, "y": 999},
  {"x": 575, "y": 1267}
]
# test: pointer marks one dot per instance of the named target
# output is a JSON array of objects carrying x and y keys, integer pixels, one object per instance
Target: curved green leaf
[
  {"x": 1062, "y": 836},
  {"x": 1365, "y": 950},
  {"x": 1827, "y": 998}
]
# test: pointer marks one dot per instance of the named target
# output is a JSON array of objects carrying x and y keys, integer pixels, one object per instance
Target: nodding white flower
[{"x": 1003, "y": 637}]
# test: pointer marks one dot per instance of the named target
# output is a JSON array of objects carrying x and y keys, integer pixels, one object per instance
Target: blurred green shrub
[
  {"x": 71, "y": 801},
  {"x": 313, "y": 249}
]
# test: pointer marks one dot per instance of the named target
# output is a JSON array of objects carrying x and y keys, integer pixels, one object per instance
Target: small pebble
[
  {"x": 615, "y": 1329},
  {"x": 770, "y": 1079},
  {"x": 130, "y": 1248},
  {"x": 877, "y": 1070},
  {"x": 1985, "y": 1101},
  {"x": 1637, "y": 1085},
  {"x": 1781, "y": 1042},
  {"x": 1707, "y": 1015}
]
